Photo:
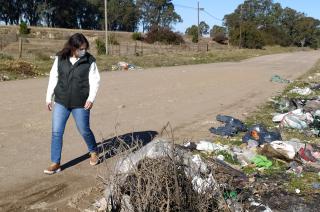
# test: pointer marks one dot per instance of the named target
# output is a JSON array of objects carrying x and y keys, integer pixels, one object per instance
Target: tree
[
  {"x": 32, "y": 11},
  {"x": 123, "y": 15},
  {"x": 204, "y": 28},
  {"x": 163, "y": 35},
  {"x": 193, "y": 32},
  {"x": 11, "y": 11},
  {"x": 157, "y": 13},
  {"x": 217, "y": 29},
  {"x": 272, "y": 24}
]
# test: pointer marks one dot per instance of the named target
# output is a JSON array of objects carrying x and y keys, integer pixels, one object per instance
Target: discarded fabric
[
  {"x": 231, "y": 128},
  {"x": 262, "y": 161},
  {"x": 279, "y": 149},
  {"x": 316, "y": 185},
  {"x": 295, "y": 119},
  {"x": 306, "y": 155},
  {"x": 208, "y": 146},
  {"x": 312, "y": 106},
  {"x": 277, "y": 78},
  {"x": 301, "y": 91}
]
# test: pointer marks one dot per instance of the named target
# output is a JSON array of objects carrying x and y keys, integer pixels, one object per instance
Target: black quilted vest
[{"x": 72, "y": 89}]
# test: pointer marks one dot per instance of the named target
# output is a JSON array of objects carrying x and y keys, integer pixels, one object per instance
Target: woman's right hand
[{"x": 49, "y": 106}]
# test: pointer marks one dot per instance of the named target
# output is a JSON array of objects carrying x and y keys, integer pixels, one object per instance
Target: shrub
[
  {"x": 251, "y": 37},
  {"x": 195, "y": 38},
  {"x": 42, "y": 56},
  {"x": 5, "y": 56},
  {"x": 136, "y": 36},
  {"x": 23, "y": 29},
  {"x": 112, "y": 39},
  {"x": 163, "y": 35},
  {"x": 193, "y": 32},
  {"x": 220, "y": 37},
  {"x": 101, "y": 47},
  {"x": 19, "y": 67}
]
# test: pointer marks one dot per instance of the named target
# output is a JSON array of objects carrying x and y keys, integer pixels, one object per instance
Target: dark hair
[{"x": 74, "y": 42}]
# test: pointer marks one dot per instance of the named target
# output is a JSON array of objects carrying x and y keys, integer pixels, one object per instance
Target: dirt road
[{"x": 189, "y": 97}]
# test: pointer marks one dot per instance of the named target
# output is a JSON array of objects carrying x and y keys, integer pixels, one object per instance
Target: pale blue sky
[{"x": 219, "y": 8}]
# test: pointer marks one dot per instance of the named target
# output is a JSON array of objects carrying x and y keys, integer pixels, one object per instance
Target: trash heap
[
  {"x": 124, "y": 66},
  {"x": 165, "y": 176},
  {"x": 210, "y": 176}
]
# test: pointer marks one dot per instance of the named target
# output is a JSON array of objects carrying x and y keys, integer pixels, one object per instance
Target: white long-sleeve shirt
[{"x": 94, "y": 80}]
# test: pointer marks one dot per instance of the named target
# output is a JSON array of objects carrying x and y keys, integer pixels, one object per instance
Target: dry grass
[{"x": 45, "y": 42}]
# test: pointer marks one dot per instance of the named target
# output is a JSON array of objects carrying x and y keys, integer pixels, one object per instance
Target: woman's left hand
[{"x": 88, "y": 105}]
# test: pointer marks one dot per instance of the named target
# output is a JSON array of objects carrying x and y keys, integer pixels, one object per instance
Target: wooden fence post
[
  {"x": 135, "y": 48},
  {"x": 141, "y": 48},
  {"x": 20, "y": 47}
]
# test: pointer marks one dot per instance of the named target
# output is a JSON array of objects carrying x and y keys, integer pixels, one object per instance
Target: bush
[
  {"x": 136, "y": 36},
  {"x": 195, "y": 38},
  {"x": 251, "y": 37},
  {"x": 4, "y": 56},
  {"x": 163, "y": 35},
  {"x": 220, "y": 37},
  {"x": 19, "y": 67},
  {"x": 101, "y": 47},
  {"x": 112, "y": 39},
  {"x": 42, "y": 56},
  {"x": 193, "y": 32},
  {"x": 23, "y": 30}
]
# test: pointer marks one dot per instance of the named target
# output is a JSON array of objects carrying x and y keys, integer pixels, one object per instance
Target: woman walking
[{"x": 73, "y": 85}]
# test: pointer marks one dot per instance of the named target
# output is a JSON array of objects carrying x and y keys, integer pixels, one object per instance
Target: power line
[
  {"x": 212, "y": 16},
  {"x": 195, "y": 8},
  {"x": 187, "y": 7}
]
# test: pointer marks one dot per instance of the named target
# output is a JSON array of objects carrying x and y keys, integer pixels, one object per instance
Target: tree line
[
  {"x": 123, "y": 15},
  {"x": 256, "y": 23},
  {"x": 253, "y": 24}
]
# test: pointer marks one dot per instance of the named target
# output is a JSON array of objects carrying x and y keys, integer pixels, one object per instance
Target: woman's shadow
[{"x": 107, "y": 146}]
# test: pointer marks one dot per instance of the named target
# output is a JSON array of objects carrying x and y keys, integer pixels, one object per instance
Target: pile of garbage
[
  {"x": 300, "y": 114},
  {"x": 124, "y": 66},
  {"x": 259, "y": 143},
  {"x": 207, "y": 175},
  {"x": 165, "y": 176}
]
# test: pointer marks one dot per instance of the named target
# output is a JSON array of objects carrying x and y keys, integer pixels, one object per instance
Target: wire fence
[{"x": 140, "y": 48}]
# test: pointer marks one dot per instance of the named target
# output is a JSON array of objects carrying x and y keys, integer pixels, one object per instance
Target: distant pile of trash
[{"x": 124, "y": 66}]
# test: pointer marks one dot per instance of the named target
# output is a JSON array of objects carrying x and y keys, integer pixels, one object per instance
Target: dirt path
[{"x": 189, "y": 97}]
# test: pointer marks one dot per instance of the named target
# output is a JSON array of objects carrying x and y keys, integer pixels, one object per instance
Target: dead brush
[{"x": 166, "y": 181}]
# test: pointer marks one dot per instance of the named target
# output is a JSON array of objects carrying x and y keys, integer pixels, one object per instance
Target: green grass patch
[{"x": 303, "y": 183}]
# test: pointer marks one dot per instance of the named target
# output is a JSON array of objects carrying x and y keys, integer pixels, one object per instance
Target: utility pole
[
  {"x": 240, "y": 41},
  {"x": 106, "y": 25},
  {"x": 199, "y": 20}
]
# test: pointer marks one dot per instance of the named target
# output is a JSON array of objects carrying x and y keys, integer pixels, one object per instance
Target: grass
[
  {"x": 303, "y": 183},
  {"x": 40, "y": 59},
  {"x": 188, "y": 58}
]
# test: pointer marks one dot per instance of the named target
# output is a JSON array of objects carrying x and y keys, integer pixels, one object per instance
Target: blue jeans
[{"x": 60, "y": 116}]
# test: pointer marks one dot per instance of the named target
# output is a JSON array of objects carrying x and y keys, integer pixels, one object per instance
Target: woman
[{"x": 73, "y": 85}]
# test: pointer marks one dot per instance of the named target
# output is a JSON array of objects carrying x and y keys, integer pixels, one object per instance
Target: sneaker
[
  {"x": 94, "y": 158},
  {"x": 52, "y": 169}
]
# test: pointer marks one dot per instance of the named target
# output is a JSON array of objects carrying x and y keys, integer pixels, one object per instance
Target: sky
[{"x": 216, "y": 9}]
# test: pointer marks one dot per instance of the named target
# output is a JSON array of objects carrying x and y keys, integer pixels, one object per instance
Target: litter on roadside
[
  {"x": 301, "y": 91},
  {"x": 260, "y": 134},
  {"x": 124, "y": 66},
  {"x": 278, "y": 79},
  {"x": 261, "y": 161},
  {"x": 231, "y": 128}
]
